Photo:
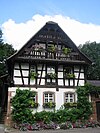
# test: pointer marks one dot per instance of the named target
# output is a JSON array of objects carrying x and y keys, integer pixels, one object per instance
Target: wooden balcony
[{"x": 51, "y": 56}]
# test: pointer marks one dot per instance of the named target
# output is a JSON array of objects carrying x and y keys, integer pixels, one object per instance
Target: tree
[
  {"x": 92, "y": 50},
  {"x": 1, "y": 37},
  {"x": 6, "y": 50}
]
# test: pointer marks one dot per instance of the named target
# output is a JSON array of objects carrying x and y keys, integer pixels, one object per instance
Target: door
[{"x": 98, "y": 110}]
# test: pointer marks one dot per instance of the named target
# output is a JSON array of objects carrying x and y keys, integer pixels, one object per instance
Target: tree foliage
[
  {"x": 6, "y": 50},
  {"x": 92, "y": 51},
  {"x": 93, "y": 89}
]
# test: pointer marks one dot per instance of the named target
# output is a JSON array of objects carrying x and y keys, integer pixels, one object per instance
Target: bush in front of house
[
  {"x": 22, "y": 113},
  {"x": 83, "y": 103},
  {"x": 21, "y": 104}
]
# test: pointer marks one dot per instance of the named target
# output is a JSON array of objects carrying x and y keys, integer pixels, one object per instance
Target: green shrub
[
  {"x": 66, "y": 51},
  {"x": 51, "y": 48},
  {"x": 23, "y": 100},
  {"x": 70, "y": 105},
  {"x": 49, "y": 105},
  {"x": 44, "y": 116},
  {"x": 21, "y": 103},
  {"x": 83, "y": 103}
]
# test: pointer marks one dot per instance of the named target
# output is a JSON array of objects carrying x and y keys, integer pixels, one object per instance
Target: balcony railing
[{"x": 52, "y": 55}]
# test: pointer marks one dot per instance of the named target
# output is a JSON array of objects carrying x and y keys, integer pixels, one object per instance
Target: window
[
  {"x": 68, "y": 73},
  {"x": 69, "y": 97},
  {"x": 33, "y": 73},
  {"x": 50, "y": 69},
  {"x": 34, "y": 101},
  {"x": 67, "y": 69},
  {"x": 34, "y": 97},
  {"x": 51, "y": 75},
  {"x": 48, "y": 97},
  {"x": 49, "y": 100},
  {"x": 33, "y": 68}
]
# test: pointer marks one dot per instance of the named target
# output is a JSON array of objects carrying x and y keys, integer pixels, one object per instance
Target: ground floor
[{"x": 45, "y": 95}]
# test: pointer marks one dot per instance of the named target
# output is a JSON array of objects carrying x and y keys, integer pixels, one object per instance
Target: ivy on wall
[
  {"x": 21, "y": 103},
  {"x": 83, "y": 103}
]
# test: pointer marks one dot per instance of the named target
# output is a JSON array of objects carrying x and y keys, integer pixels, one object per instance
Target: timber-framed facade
[{"x": 51, "y": 65}]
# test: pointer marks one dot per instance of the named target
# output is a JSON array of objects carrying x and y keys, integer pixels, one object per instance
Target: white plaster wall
[
  {"x": 81, "y": 83},
  {"x": 76, "y": 82},
  {"x": 32, "y": 82},
  {"x": 66, "y": 82},
  {"x": 17, "y": 73},
  {"x": 25, "y": 73},
  {"x": 25, "y": 81},
  {"x": 82, "y": 75},
  {"x": 71, "y": 82},
  {"x": 60, "y": 82},
  {"x": 76, "y": 75},
  {"x": 60, "y": 96},
  {"x": 60, "y": 74},
  {"x": 18, "y": 81}
]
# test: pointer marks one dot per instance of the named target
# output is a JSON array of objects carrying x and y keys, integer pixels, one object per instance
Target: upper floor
[
  {"x": 49, "y": 49},
  {"x": 48, "y": 75}
]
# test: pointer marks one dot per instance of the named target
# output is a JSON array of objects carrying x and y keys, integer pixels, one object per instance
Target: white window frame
[
  {"x": 48, "y": 98},
  {"x": 69, "y": 97}
]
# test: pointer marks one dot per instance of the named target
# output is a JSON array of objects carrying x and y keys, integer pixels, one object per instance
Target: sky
[{"x": 21, "y": 19}]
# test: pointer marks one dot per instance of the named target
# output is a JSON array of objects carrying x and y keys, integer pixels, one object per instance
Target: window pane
[
  {"x": 71, "y": 95},
  {"x": 66, "y": 100},
  {"x": 50, "y": 95},
  {"x": 50, "y": 100},
  {"x": 71, "y": 100},
  {"x": 46, "y": 95},
  {"x": 46, "y": 100}
]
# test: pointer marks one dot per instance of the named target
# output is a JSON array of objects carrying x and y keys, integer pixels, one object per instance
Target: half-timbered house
[{"x": 51, "y": 65}]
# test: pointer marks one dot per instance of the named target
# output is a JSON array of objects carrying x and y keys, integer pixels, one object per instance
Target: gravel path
[
  {"x": 87, "y": 130},
  {"x": 1, "y": 128}
]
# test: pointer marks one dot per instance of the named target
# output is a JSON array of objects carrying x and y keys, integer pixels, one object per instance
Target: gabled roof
[{"x": 51, "y": 32}]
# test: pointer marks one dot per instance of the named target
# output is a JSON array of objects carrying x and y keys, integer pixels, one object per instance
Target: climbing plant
[
  {"x": 21, "y": 103},
  {"x": 22, "y": 113},
  {"x": 83, "y": 103}
]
